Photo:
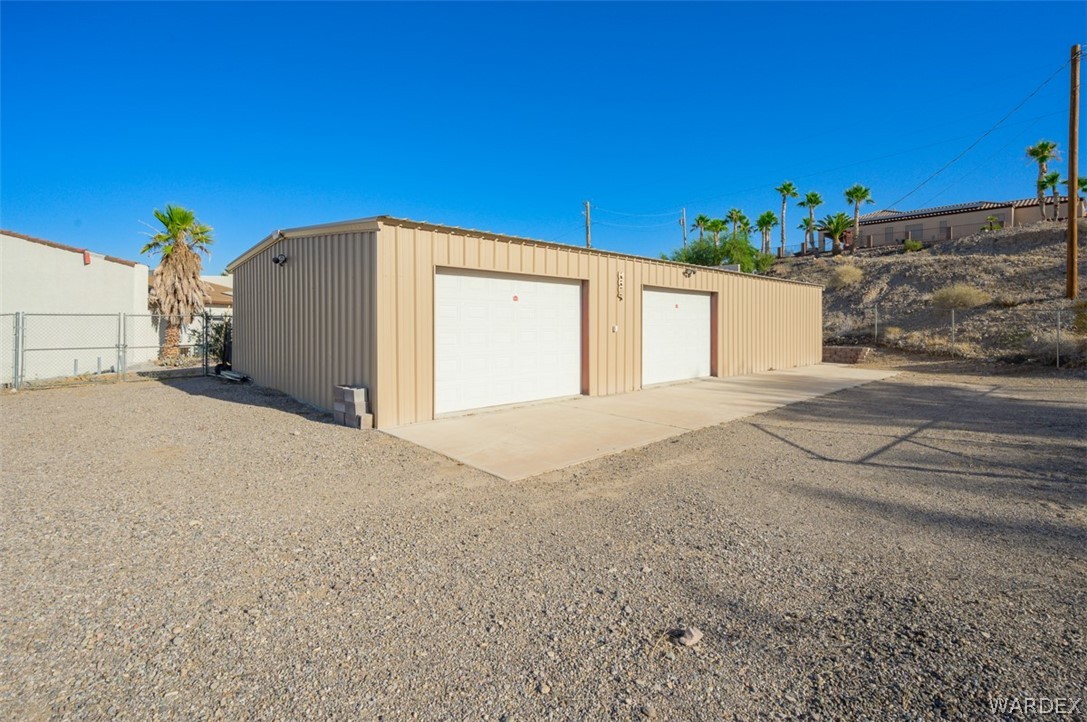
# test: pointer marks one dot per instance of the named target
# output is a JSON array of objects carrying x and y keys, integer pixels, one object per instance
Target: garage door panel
[
  {"x": 503, "y": 339},
  {"x": 675, "y": 335}
]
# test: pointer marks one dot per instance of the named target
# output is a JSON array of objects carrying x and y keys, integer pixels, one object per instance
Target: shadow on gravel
[
  {"x": 975, "y": 439},
  {"x": 1026, "y": 530},
  {"x": 979, "y": 409},
  {"x": 998, "y": 370},
  {"x": 247, "y": 394}
]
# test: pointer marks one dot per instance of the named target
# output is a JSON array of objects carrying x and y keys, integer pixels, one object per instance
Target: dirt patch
[{"x": 906, "y": 549}]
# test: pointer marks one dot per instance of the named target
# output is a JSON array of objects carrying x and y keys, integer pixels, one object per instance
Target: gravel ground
[{"x": 902, "y": 550}]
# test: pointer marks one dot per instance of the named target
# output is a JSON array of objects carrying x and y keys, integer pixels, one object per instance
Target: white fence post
[
  {"x": 120, "y": 347},
  {"x": 1058, "y": 338},
  {"x": 17, "y": 351}
]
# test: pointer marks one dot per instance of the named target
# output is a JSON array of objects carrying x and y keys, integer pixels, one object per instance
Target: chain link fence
[
  {"x": 1050, "y": 333},
  {"x": 51, "y": 349}
]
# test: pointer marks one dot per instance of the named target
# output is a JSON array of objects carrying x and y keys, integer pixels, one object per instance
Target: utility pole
[
  {"x": 683, "y": 223},
  {"x": 1072, "y": 275},
  {"x": 588, "y": 226}
]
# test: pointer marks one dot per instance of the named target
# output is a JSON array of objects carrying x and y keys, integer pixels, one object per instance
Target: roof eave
[{"x": 359, "y": 224}]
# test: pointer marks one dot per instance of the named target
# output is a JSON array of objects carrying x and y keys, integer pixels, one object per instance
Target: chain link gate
[{"x": 40, "y": 350}]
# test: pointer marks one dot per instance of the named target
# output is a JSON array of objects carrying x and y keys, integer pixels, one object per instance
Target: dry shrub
[
  {"x": 891, "y": 333},
  {"x": 959, "y": 296},
  {"x": 1079, "y": 317},
  {"x": 1044, "y": 347},
  {"x": 845, "y": 276},
  {"x": 1008, "y": 300}
]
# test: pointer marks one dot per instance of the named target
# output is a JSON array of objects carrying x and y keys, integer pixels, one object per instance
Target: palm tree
[
  {"x": 744, "y": 227},
  {"x": 715, "y": 227},
  {"x": 1041, "y": 153},
  {"x": 700, "y": 225},
  {"x": 765, "y": 223},
  {"x": 734, "y": 216},
  {"x": 811, "y": 201},
  {"x": 787, "y": 191},
  {"x": 1051, "y": 182},
  {"x": 857, "y": 194},
  {"x": 1081, "y": 184},
  {"x": 176, "y": 289},
  {"x": 834, "y": 226},
  {"x": 808, "y": 226}
]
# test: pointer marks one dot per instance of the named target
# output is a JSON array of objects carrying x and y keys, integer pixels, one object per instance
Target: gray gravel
[{"x": 189, "y": 550}]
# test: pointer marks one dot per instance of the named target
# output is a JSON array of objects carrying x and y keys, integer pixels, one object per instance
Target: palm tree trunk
[
  {"x": 1056, "y": 203},
  {"x": 784, "y": 203},
  {"x": 856, "y": 224},
  {"x": 172, "y": 341},
  {"x": 1041, "y": 189},
  {"x": 836, "y": 246},
  {"x": 811, "y": 232}
]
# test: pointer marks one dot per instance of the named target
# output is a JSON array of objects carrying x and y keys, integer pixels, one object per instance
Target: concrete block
[
  {"x": 366, "y": 421},
  {"x": 338, "y": 417},
  {"x": 351, "y": 394}
]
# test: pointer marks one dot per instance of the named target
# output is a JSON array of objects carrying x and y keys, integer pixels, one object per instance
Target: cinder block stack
[{"x": 351, "y": 407}]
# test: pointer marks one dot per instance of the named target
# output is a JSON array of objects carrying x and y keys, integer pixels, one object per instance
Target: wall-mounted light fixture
[
  {"x": 688, "y": 272},
  {"x": 280, "y": 259}
]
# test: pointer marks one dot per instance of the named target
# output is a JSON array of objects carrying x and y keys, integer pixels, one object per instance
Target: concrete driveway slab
[{"x": 517, "y": 442}]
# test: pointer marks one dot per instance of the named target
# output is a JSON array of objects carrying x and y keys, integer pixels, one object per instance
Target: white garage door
[
  {"x": 503, "y": 339},
  {"x": 675, "y": 336}
]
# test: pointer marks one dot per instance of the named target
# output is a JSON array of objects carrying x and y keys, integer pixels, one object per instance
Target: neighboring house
[
  {"x": 220, "y": 297},
  {"x": 434, "y": 319},
  {"x": 39, "y": 277},
  {"x": 944, "y": 223}
]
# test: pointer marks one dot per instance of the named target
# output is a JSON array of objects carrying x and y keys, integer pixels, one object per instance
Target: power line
[
  {"x": 971, "y": 171},
  {"x": 638, "y": 215},
  {"x": 983, "y": 137},
  {"x": 624, "y": 225},
  {"x": 859, "y": 162},
  {"x": 555, "y": 239}
]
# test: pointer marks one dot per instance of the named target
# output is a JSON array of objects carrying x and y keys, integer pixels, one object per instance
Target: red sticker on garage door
[
  {"x": 515, "y": 298},
  {"x": 677, "y": 305}
]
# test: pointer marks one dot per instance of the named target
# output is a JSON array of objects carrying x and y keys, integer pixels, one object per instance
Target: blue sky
[{"x": 506, "y": 117}]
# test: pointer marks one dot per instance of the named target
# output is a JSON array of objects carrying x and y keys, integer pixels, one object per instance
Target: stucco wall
[
  {"x": 40, "y": 279},
  {"x": 962, "y": 225},
  {"x": 35, "y": 278}
]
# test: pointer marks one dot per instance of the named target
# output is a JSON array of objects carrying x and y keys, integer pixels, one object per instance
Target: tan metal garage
[{"x": 436, "y": 319}]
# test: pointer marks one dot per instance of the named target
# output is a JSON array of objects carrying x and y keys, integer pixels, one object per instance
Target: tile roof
[{"x": 888, "y": 214}]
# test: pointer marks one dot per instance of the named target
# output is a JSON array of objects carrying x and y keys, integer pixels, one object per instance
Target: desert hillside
[{"x": 1010, "y": 288}]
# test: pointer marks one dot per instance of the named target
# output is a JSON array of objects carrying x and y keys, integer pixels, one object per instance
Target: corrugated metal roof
[{"x": 373, "y": 223}]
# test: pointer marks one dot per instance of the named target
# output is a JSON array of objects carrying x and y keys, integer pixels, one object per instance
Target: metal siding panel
[
  {"x": 387, "y": 413},
  {"x": 424, "y": 324},
  {"x": 360, "y": 305},
  {"x": 405, "y": 325},
  {"x": 299, "y": 328}
]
